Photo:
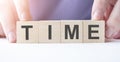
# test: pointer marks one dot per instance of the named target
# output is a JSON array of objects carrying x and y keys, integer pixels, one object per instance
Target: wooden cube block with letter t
[
  {"x": 71, "y": 31},
  {"x": 27, "y": 32},
  {"x": 94, "y": 31}
]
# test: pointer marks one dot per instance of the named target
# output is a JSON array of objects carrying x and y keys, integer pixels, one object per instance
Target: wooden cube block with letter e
[
  {"x": 94, "y": 31},
  {"x": 71, "y": 31},
  {"x": 27, "y": 32}
]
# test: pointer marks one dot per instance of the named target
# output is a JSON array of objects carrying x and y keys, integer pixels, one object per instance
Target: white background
[{"x": 68, "y": 52}]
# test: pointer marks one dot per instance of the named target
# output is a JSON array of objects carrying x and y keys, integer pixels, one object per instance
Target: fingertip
[
  {"x": 109, "y": 33},
  {"x": 116, "y": 35},
  {"x": 11, "y": 37},
  {"x": 97, "y": 16}
]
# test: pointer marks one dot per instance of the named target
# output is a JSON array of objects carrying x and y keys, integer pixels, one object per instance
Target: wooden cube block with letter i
[{"x": 49, "y": 31}]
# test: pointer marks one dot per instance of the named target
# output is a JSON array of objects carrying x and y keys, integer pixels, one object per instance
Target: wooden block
[
  {"x": 94, "y": 31},
  {"x": 71, "y": 31},
  {"x": 49, "y": 31},
  {"x": 27, "y": 32},
  {"x": 61, "y": 31}
]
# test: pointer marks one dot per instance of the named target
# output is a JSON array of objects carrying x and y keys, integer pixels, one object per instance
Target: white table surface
[{"x": 72, "y": 52}]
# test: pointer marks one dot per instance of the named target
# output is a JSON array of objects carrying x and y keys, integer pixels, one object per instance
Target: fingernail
[
  {"x": 11, "y": 37},
  {"x": 24, "y": 16},
  {"x": 97, "y": 16},
  {"x": 109, "y": 33}
]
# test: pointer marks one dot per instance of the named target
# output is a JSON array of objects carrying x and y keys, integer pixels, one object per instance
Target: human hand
[
  {"x": 108, "y": 10},
  {"x": 10, "y": 12}
]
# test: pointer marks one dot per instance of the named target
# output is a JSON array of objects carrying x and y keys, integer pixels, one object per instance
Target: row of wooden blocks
[{"x": 61, "y": 31}]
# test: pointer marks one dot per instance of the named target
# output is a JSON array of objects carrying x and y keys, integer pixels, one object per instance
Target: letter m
[{"x": 71, "y": 33}]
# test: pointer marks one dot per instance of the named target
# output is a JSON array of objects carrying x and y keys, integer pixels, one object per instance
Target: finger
[
  {"x": 102, "y": 9},
  {"x": 113, "y": 23},
  {"x": 8, "y": 20},
  {"x": 22, "y": 7},
  {"x": 2, "y": 34}
]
